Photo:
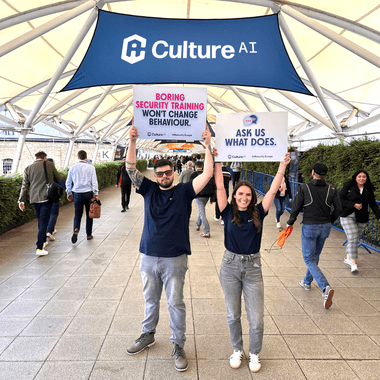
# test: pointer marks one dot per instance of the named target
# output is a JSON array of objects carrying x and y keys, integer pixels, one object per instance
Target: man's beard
[{"x": 166, "y": 185}]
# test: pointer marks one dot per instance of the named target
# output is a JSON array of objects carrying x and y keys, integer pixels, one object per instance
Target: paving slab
[{"x": 72, "y": 314}]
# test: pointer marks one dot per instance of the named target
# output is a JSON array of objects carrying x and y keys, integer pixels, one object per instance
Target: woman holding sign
[{"x": 240, "y": 271}]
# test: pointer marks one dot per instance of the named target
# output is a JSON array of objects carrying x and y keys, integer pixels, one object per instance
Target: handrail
[{"x": 261, "y": 182}]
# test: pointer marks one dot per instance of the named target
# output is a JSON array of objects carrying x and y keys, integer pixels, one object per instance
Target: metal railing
[{"x": 262, "y": 182}]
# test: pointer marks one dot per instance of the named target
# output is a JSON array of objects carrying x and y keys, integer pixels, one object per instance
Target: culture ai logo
[
  {"x": 133, "y": 50},
  {"x": 249, "y": 120}
]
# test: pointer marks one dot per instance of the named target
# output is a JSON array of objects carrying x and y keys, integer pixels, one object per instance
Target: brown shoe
[
  {"x": 90, "y": 237},
  {"x": 206, "y": 235}
]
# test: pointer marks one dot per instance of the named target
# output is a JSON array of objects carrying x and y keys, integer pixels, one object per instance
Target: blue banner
[{"x": 143, "y": 50}]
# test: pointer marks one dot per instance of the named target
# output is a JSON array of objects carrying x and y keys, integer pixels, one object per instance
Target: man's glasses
[{"x": 168, "y": 173}]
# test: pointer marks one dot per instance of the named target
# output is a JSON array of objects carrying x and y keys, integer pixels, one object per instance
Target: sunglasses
[{"x": 168, "y": 173}]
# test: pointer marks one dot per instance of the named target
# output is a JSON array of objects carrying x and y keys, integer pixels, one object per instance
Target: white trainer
[
  {"x": 215, "y": 218},
  {"x": 254, "y": 363},
  {"x": 55, "y": 231},
  {"x": 50, "y": 236},
  {"x": 41, "y": 252},
  {"x": 235, "y": 359},
  {"x": 222, "y": 222},
  {"x": 278, "y": 225},
  {"x": 354, "y": 268}
]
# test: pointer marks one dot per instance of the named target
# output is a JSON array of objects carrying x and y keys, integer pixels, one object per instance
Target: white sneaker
[
  {"x": 41, "y": 252},
  {"x": 254, "y": 363},
  {"x": 347, "y": 261},
  {"x": 235, "y": 359},
  {"x": 354, "y": 267},
  {"x": 278, "y": 225},
  {"x": 222, "y": 222},
  {"x": 45, "y": 244},
  {"x": 215, "y": 218},
  {"x": 50, "y": 236},
  {"x": 55, "y": 231}
]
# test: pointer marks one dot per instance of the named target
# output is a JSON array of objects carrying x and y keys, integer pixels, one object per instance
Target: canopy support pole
[
  {"x": 94, "y": 108},
  {"x": 44, "y": 28},
  {"x": 60, "y": 104},
  {"x": 20, "y": 145},
  {"x": 336, "y": 127},
  {"x": 96, "y": 152},
  {"x": 97, "y": 118},
  {"x": 68, "y": 153},
  {"x": 262, "y": 98},
  {"x": 241, "y": 98},
  {"x": 86, "y": 27},
  {"x": 340, "y": 40}
]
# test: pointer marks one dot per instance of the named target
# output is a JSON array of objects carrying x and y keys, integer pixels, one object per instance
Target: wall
[{"x": 55, "y": 150}]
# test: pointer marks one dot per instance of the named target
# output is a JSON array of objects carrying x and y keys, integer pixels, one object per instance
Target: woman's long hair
[
  {"x": 252, "y": 210},
  {"x": 368, "y": 184}
]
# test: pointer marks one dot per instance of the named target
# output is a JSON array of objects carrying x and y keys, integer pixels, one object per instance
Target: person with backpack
[
  {"x": 320, "y": 204},
  {"x": 34, "y": 183}
]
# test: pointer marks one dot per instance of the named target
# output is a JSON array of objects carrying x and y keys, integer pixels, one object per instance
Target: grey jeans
[
  {"x": 241, "y": 274},
  {"x": 170, "y": 272}
]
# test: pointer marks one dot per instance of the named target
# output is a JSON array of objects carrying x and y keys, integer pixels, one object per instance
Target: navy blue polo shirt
[
  {"x": 243, "y": 240},
  {"x": 166, "y": 219}
]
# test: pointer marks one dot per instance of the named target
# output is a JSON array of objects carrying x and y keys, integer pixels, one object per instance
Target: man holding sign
[{"x": 165, "y": 245}]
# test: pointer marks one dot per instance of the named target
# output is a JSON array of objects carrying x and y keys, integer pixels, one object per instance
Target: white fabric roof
[{"x": 336, "y": 46}]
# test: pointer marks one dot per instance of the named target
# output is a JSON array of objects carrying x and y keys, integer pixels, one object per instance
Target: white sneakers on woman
[
  {"x": 235, "y": 359},
  {"x": 254, "y": 361},
  {"x": 354, "y": 267}
]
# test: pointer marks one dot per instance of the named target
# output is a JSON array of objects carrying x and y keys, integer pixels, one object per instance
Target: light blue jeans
[
  {"x": 170, "y": 272},
  {"x": 312, "y": 239},
  {"x": 201, "y": 203},
  {"x": 280, "y": 204},
  {"x": 242, "y": 274}
]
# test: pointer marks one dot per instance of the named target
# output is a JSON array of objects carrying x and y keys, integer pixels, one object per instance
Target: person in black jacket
[
  {"x": 280, "y": 199},
  {"x": 122, "y": 179},
  {"x": 202, "y": 198},
  {"x": 321, "y": 207},
  {"x": 355, "y": 196}
]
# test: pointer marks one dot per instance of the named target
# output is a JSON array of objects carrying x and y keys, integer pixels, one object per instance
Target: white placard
[
  {"x": 251, "y": 137},
  {"x": 169, "y": 113}
]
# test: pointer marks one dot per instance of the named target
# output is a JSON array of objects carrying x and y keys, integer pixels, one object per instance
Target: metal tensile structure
[{"x": 335, "y": 51}]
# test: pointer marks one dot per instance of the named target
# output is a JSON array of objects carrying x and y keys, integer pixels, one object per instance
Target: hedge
[
  {"x": 12, "y": 216},
  {"x": 342, "y": 161}
]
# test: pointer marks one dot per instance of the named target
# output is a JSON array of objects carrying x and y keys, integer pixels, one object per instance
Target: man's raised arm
[
  {"x": 201, "y": 181},
  {"x": 135, "y": 176}
]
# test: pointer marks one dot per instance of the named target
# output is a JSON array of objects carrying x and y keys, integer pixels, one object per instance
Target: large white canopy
[{"x": 334, "y": 46}]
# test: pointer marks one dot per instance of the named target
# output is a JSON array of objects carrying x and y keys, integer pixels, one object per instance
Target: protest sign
[
  {"x": 169, "y": 113},
  {"x": 251, "y": 137}
]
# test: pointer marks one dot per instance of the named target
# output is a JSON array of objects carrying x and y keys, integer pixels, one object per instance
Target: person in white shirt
[{"x": 85, "y": 187}]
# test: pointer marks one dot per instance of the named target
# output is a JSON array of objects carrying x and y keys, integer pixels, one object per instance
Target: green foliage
[
  {"x": 262, "y": 167},
  {"x": 343, "y": 161},
  {"x": 141, "y": 165},
  {"x": 12, "y": 217}
]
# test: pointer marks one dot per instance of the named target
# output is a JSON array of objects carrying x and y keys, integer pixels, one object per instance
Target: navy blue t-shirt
[
  {"x": 243, "y": 240},
  {"x": 166, "y": 219}
]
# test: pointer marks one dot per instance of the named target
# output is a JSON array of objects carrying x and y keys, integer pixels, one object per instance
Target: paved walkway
[{"x": 72, "y": 314}]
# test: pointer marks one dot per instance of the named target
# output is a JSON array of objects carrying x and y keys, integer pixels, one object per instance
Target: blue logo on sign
[
  {"x": 149, "y": 133},
  {"x": 249, "y": 120}
]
